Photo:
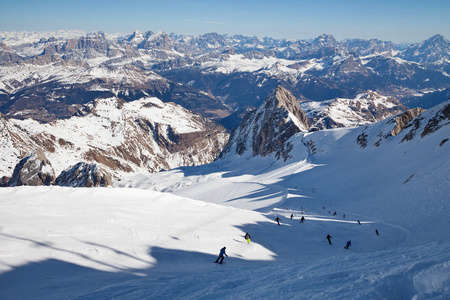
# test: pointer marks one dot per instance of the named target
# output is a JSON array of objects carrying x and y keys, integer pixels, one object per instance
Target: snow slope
[
  {"x": 139, "y": 243},
  {"x": 135, "y": 244}
]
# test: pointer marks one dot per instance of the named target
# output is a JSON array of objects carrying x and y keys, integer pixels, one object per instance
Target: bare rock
[
  {"x": 403, "y": 119},
  {"x": 34, "y": 169},
  {"x": 84, "y": 175},
  {"x": 441, "y": 118},
  {"x": 267, "y": 129}
]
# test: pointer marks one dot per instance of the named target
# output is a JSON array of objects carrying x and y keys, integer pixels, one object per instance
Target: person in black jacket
[
  {"x": 247, "y": 238},
  {"x": 329, "y": 237},
  {"x": 349, "y": 243}
]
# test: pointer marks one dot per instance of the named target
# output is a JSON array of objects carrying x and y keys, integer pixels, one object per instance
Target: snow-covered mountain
[
  {"x": 368, "y": 107},
  {"x": 212, "y": 74},
  {"x": 435, "y": 50},
  {"x": 122, "y": 137}
]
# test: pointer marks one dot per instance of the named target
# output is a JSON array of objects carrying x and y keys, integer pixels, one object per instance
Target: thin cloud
[{"x": 212, "y": 22}]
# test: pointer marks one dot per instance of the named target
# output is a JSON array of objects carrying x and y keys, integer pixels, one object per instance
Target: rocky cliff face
[
  {"x": 267, "y": 129},
  {"x": 412, "y": 124},
  {"x": 121, "y": 137},
  {"x": 34, "y": 169},
  {"x": 403, "y": 119},
  {"x": 84, "y": 175}
]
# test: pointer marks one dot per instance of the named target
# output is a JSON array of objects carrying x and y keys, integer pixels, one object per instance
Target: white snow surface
[
  {"x": 267, "y": 65},
  {"x": 156, "y": 236},
  {"x": 350, "y": 112}
]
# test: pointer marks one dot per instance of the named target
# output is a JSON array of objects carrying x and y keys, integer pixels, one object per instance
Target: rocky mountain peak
[
  {"x": 325, "y": 40},
  {"x": 437, "y": 39},
  {"x": 136, "y": 37},
  {"x": 433, "y": 50},
  {"x": 267, "y": 129},
  {"x": 281, "y": 99},
  {"x": 84, "y": 175},
  {"x": 34, "y": 169},
  {"x": 159, "y": 40}
]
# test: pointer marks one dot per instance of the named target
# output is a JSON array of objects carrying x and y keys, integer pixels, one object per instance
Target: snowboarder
[
  {"x": 376, "y": 231},
  {"x": 329, "y": 237},
  {"x": 349, "y": 243},
  {"x": 302, "y": 219},
  {"x": 359, "y": 222},
  {"x": 278, "y": 220},
  {"x": 247, "y": 238},
  {"x": 292, "y": 215},
  {"x": 221, "y": 254}
]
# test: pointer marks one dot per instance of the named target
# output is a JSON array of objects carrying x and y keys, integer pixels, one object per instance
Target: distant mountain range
[
  {"x": 46, "y": 76},
  {"x": 104, "y": 81}
]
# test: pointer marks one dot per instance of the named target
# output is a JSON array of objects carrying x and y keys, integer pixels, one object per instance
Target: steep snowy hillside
[
  {"x": 387, "y": 173},
  {"x": 143, "y": 135}
]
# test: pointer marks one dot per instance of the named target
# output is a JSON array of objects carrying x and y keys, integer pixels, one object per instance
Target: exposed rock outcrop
[
  {"x": 267, "y": 129},
  {"x": 403, "y": 119},
  {"x": 34, "y": 169},
  {"x": 84, "y": 175},
  {"x": 441, "y": 118}
]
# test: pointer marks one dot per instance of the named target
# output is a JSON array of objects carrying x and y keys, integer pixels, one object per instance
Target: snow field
[{"x": 127, "y": 233}]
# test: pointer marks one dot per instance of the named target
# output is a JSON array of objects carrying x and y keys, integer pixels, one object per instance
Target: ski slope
[
  {"x": 156, "y": 236},
  {"x": 104, "y": 243}
]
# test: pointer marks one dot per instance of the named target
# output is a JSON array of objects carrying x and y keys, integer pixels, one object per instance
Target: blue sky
[{"x": 394, "y": 20}]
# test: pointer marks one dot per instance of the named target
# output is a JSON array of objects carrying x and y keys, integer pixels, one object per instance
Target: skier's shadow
[{"x": 237, "y": 241}]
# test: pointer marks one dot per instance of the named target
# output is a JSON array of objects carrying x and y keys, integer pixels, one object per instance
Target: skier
[
  {"x": 334, "y": 213},
  {"x": 221, "y": 254},
  {"x": 302, "y": 219},
  {"x": 329, "y": 237},
  {"x": 292, "y": 215},
  {"x": 359, "y": 222},
  {"x": 278, "y": 220},
  {"x": 343, "y": 216},
  {"x": 376, "y": 231},
  {"x": 247, "y": 237},
  {"x": 349, "y": 243}
]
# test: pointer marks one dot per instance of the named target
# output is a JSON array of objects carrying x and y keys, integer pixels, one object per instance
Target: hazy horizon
[{"x": 396, "y": 20}]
